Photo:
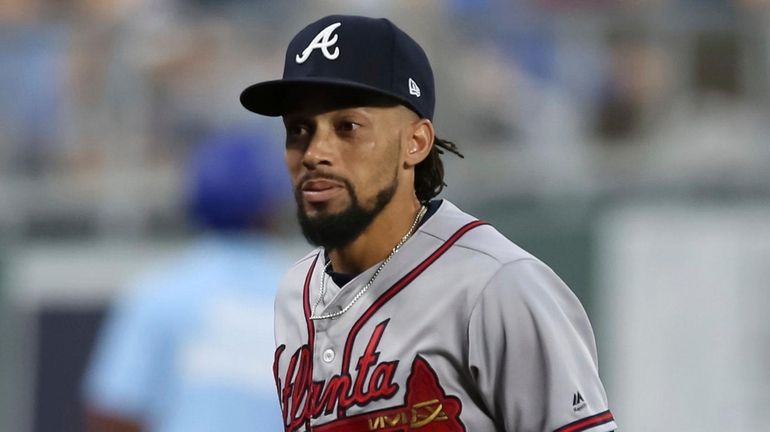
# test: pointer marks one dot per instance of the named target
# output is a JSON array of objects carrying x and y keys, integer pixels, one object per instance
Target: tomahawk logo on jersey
[{"x": 497, "y": 343}]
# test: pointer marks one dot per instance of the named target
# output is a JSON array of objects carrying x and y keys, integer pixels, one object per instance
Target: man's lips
[{"x": 320, "y": 190}]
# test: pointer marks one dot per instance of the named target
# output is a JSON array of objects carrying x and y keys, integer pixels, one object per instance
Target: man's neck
[{"x": 378, "y": 240}]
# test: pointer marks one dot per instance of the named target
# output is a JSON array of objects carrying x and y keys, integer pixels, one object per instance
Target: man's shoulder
[
  {"x": 483, "y": 239},
  {"x": 297, "y": 273}
]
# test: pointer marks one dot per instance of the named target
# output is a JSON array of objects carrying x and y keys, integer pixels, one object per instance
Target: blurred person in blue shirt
[{"x": 188, "y": 348}]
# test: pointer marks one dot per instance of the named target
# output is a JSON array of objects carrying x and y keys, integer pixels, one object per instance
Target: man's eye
[
  {"x": 348, "y": 126},
  {"x": 296, "y": 130}
]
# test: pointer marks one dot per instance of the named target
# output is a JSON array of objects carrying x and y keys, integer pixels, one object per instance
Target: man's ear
[{"x": 419, "y": 143}]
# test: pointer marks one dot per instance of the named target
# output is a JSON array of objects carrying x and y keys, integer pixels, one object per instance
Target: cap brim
[{"x": 270, "y": 97}]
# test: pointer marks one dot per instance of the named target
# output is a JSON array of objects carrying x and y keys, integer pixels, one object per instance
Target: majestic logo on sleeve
[
  {"x": 425, "y": 402},
  {"x": 323, "y": 41}
]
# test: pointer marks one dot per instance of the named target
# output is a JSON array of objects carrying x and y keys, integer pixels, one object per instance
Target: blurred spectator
[
  {"x": 638, "y": 79},
  {"x": 188, "y": 347},
  {"x": 715, "y": 137},
  {"x": 31, "y": 66}
]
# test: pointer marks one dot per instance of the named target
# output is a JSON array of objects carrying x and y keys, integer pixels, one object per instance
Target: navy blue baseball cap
[{"x": 353, "y": 52}]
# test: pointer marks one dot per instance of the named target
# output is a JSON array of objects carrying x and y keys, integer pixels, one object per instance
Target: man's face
[{"x": 344, "y": 158}]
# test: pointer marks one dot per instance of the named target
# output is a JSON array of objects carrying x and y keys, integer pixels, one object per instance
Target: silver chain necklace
[{"x": 322, "y": 291}]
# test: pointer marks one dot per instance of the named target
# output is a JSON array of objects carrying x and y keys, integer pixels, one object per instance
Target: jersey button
[{"x": 328, "y": 355}]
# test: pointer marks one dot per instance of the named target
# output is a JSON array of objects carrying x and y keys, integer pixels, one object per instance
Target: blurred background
[{"x": 626, "y": 143}]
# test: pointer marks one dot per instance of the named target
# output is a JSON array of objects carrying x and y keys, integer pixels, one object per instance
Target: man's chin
[
  {"x": 333, "y": 228},
  {"x": 324, "y": 209}
]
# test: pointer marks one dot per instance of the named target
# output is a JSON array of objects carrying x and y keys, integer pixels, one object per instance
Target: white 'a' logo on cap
[{"x": 324, "y": 41}]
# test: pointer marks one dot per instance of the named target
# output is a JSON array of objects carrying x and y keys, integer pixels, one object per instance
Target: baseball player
[
  {"x": 410, "y": 314},
  {"x": 182, "y": 349}
]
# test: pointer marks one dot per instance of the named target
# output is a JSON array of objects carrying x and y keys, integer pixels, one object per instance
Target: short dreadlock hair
[{"x": 429, "y": 174}]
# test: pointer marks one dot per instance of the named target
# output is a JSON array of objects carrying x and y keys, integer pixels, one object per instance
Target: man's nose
[{"x": 320, "y": 149}]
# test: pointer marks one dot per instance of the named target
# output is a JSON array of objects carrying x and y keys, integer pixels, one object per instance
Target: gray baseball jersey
[{"x": 461, "y": 331}]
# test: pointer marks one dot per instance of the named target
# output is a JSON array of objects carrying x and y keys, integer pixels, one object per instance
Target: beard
[{"x": 337, "y": 230}]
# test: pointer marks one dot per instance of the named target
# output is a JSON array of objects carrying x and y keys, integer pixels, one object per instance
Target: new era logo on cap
[
  {"x": 352, "y": 52},
  {"x": 413, "y": 88}
]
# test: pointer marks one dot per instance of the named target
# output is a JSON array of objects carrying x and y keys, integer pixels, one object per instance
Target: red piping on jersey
[
  {"x": 395, "y": 289},
  {"x": 276, "y": 367},
  {"x": 310, "y": 337},
  {"x": 588, "y": 422}
]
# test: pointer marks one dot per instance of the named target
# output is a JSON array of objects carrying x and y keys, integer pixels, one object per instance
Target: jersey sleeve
[
  {"x": 532, "y": 354},
  {"x": 127, "y": 361}
]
